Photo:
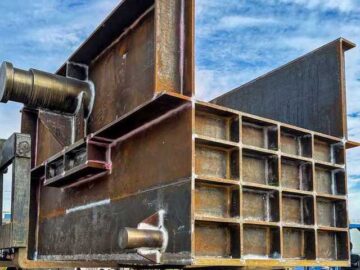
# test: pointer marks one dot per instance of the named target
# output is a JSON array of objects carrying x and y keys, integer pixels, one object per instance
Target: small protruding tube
[
  {"x": 130, "y": 238},
  {"x": 38, "y": 89}
]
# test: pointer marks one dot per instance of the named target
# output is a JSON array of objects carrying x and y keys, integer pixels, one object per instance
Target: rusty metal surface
[
  {"x": 126, "y": 184},
  {"x": 47, "y": 144},
  {"x": 103, "y": 223},
  {"x": 227, "y": 210},
  {"x": 126, "y": 157},
  {"x": 119, "y": 89},
  {"x": 174, "y": 46},
  {"x": 90, "y": 158},
  {"x": 218, "y": 210},
  {"x": 60, "y": 126},
  {"x": 152, "y": 47},
  {"x": 308, "y": 92},
  {"x": 169, "y": 50},
  {"x": 282, "y": 207}
]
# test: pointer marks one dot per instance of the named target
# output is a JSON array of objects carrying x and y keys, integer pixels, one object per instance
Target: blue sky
[{"x": 236, "y": 41}]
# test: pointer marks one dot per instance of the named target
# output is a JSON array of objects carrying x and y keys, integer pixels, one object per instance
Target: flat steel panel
[
  {"x": 308, "y": 92},
  {"x": 92, "y": 233}
]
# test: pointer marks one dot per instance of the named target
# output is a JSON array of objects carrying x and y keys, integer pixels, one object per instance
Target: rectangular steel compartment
[
  {"x": 217, "y": 200},
  {"x": 297, "y": 209},
  {"x": 84, "y": 161},
  {"x": 260, "y": 205},
  {"x": 296, "y": 174},
  {"x": 327, "y": 150},
  {"x": 260, "y": 168},
  {"x": 225, "y": 239},
  {"x": 223, "y": 127},
  {"x": 258, "y": 133},
  {"x": 213, "y": 160},
  {"x": 332, "y": 245},
  {"x": 296, "y": 142},
  {"x": 299, "y": 243},
  {"x": 331, "y": 213},
  {"x": 330, "y": 180},
  {"x": 261, "y": 242}
]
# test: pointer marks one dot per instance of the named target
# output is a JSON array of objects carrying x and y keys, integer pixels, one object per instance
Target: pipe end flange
[{"x": 6, "y": 81}]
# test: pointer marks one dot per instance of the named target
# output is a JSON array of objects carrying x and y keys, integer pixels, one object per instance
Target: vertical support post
[
  {"x": 174, "y": 46},
  {"x": 1, "y": 186},
  {"x": 16, "y": 151},
  {"x": 20, "y": 194}
]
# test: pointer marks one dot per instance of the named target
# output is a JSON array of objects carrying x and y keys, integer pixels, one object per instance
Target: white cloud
[
  {"x": 354, "y": 126},
  {"x": 353, "y": 161},
  {"x": 50, "y": 29},
  {"x": 341, "y": 5},
  {"x": 55, "y": 36},
  {"x": 354, "y": 207},
  {"x": 212, "y": 83},
  {"x": 304, "y": 44},
  {"x": 230, "y": 22}
]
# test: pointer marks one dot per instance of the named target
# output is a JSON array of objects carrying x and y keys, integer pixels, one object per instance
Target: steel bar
[{"x": 130, "y": 238}]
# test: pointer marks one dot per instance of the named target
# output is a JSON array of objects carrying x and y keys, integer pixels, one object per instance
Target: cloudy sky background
[{"x": 236, "y": 41}]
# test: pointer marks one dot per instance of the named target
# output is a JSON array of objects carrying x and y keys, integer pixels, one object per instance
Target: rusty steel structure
[{"x": 117, "y": 164}]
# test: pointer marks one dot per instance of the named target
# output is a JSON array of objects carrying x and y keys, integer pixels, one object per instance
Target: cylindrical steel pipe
[
  {"x": 40, "y": 89},
  {"x": 130, "y": 238}
]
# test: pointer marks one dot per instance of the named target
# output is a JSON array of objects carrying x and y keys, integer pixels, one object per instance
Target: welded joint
[{"x": 149, "y": 239}]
